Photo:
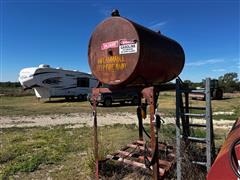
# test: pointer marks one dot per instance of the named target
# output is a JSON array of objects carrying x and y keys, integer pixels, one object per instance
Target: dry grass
[
  {"x": 60, "y": 152},
  {"x": 30, "y": 106},
  {"x": 56, "y": 152}
]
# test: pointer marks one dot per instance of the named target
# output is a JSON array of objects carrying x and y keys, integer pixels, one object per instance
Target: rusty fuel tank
[{"x": 122, "y": 52}]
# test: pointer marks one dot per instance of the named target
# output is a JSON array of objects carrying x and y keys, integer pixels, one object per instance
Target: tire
[
  {"x": 122, "y": 103},
  {"x": 80, "y": 97},
  {"x": 85, "y": 97},
  {"x": 67, "y": 98},
  {"x": 135, "y": 101},
  {"x": 218, "y": 94},
  {"x": 108, "y": 102},
  {"x": 96, "y": 103}
]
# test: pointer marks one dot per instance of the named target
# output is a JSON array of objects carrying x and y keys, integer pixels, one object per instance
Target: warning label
[
  {"x": 107, "y": 45},
  {"x": 128, "y": 48}
]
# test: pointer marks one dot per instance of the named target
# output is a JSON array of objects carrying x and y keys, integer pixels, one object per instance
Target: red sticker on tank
[
  {"x": 107, "y": 45},
  {"x": 125, "y": 41}
]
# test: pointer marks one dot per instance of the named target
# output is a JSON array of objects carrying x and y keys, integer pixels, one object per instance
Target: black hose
[
  {"x": 144, "y": 130},
  {"x": 155, "y": 153},
  {"x": 159, "y": 126},
  {"x": 154, "y": 157},
  {"x": 145, "y": 154},
  {"x": 233, "y": 157}
]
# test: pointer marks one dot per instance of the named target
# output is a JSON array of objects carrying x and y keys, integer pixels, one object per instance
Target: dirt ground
[{"x": 75, "y": 120}]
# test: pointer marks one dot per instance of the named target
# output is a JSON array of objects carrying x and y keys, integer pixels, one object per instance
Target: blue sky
[{"x": 57, "y": 32}]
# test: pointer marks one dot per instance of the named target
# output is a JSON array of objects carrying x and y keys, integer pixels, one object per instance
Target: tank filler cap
[{"x": 115, "y": 12}]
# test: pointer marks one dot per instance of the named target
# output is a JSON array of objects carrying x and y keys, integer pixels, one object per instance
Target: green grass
[
  {"x": 228, "y": 104},
  {"x": 30, "y": 106},
  {"x": 15, "y": 91},
  {"x": 61, "y": 152},
  {"x": 24, "y": 151}
]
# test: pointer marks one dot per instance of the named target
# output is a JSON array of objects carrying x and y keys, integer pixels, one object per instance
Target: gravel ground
[{"x": 75, "y": 120}]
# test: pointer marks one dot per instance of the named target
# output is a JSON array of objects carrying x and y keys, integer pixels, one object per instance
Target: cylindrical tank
[{"x": 122, "y": 52}]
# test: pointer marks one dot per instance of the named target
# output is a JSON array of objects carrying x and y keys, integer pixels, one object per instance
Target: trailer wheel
[
  {"x": 107, "y": 102},
  {"x": 67, "y": 98}
]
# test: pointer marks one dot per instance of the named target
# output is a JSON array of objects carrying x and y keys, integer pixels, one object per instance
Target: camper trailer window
[
  {"x": 82, "y": 82},
  {"x": 54, "y": 80}
]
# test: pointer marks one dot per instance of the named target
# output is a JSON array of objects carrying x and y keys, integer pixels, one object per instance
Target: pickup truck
[{"x": 122, "y": 97}]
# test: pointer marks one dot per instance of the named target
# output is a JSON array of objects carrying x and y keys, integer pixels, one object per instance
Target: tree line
[
  {"x": 229, "y": 82},
  {"x": 10, "y": 84}
]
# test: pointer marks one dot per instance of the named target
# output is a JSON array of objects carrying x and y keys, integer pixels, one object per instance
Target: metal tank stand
[
  {"x": 155, "y": 157},
  {"x": 95, "y": 94},
  {"x": 151, "y": 96},
  {"x": 184, "y": 128}
]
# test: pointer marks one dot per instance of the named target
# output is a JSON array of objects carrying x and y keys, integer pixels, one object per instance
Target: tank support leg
[
  {"x": 149, "y": 94},
  {"x": 140, "y": 119},
  {"x": 95, "y": 131}
]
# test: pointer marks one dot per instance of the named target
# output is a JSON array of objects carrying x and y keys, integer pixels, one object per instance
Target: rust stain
[{"x": 143, "y": 56}]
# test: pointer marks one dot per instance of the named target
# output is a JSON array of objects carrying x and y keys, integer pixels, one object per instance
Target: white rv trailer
[{"x": 49, "y": 82}]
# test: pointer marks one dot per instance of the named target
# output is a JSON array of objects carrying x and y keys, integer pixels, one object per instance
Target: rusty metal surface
[
  {"x": 149, "y": 95},
  {"x": 156, "y": 58},
  {"x": 158, "y": 167},
  {"x": 136, "y": 158},
  {"x": 95, "y": 93},
  {"x": 221, "y": 169}
]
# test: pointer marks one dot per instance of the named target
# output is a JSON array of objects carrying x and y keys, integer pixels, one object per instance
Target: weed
[
  {"x": 29, "y": 106},
  {"x": 26, "y": 149}
]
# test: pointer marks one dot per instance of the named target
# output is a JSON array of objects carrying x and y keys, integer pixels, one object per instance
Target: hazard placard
[{"x": 128, "y": 48}]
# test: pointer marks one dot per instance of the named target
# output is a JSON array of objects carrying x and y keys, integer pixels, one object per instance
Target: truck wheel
[
  {"x": 135, "y": 101},
  {"x": 80, "y": 97},
  {"x": 218, "y": 94},
  {"x": 85, "y": 97},
  {"x": 108, "y": 102},
  {"x": 122, "y": 103},
  {"x": 96, "y": 103},
  {"x": 67, "y": 98}
]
